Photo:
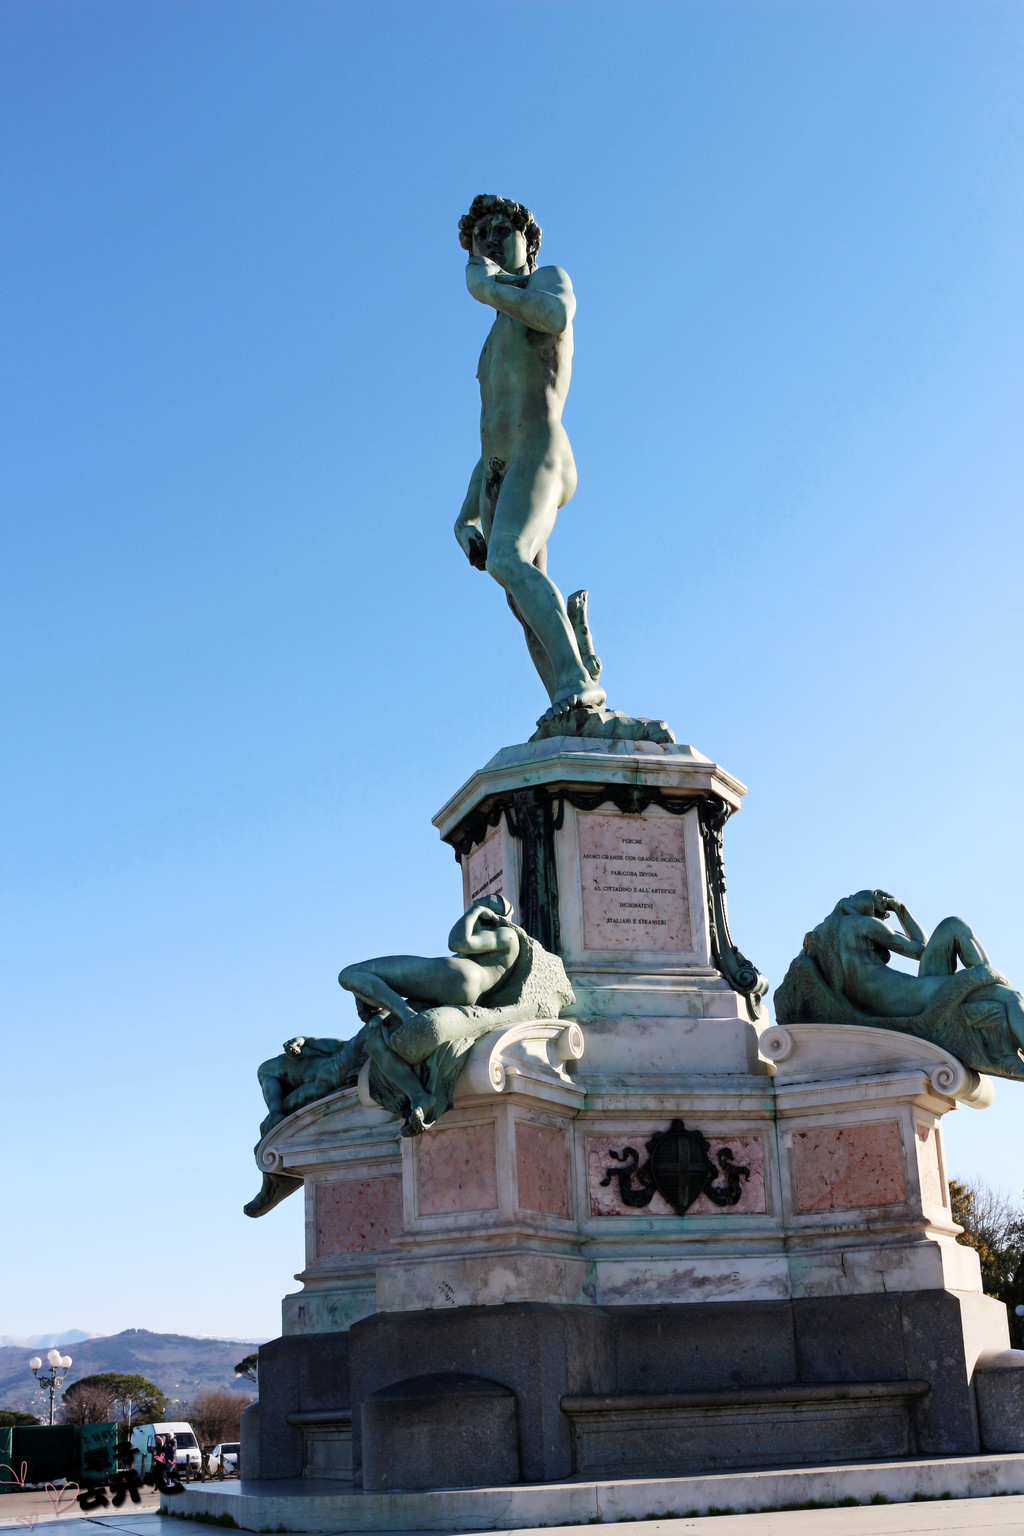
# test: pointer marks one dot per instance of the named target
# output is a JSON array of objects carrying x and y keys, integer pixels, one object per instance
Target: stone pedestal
[
  {"x": 812, "y": 1302},
  {"x": 611, "y": 853}
]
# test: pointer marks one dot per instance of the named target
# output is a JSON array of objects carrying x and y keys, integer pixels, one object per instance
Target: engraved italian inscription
[
  {"x": 633, "y": 870},
  {"x": 485, "y": 870}
]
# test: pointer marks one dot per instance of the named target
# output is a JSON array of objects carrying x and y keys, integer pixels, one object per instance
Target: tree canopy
[
  {"x": 88, "y": 1404},
  {"x": 139, "y": 1400},
  {"x": 216, "y": 1416},
  {"x": 994, "y": 1227},
  {"x": 249, "y": 1367},
  {"x": 10, "y": 1418}
]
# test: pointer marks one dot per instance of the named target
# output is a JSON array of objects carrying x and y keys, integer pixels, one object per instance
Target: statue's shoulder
[{"x": 550, "y": 280}]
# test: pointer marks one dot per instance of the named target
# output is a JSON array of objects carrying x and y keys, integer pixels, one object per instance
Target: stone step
[{"x": 305, "y": 1505}]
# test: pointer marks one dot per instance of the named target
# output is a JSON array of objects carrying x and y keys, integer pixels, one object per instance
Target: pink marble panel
[
  {"x": 605, "y": 1199},
  {"x": 933, "y": 1189},
  {"x": 633, "y": 872},
  {"x": 540, "y": 1169},
  {"x": 842, "y": 1166},
  {"x": 358, "y": 1215},
  {"x": 485, "y": 869},
  {"x": 458, "y": 1170}
]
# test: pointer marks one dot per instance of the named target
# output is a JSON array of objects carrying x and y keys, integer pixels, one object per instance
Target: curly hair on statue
[{"x": 517, "y": 214}]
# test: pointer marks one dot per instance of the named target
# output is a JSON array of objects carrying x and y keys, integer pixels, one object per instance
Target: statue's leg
[
  {"x": 275, "y": 1188},
  {"x": 421, "y": 1036},
  {"x": 273, "y": 1094},
  {"x": 1014, "y": 1004},
  {"x": 332, "y": 1073},
  {"x": 524, "y": 516},
  {"x": 371, "y": 988},
  {"x": 953, "y": 939},
  {"x": 998, "y": 999},
  {"x": 399, "y": 1074},
  {"x": 390, "y": 979},
  {"x": 538, "y": 655}
]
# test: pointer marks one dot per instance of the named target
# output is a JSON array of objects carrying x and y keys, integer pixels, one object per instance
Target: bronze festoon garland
[
  {"x": 741, "y": 974},
  {"x": 535, "y": 815},
  {"x": 533, "y": 820}
]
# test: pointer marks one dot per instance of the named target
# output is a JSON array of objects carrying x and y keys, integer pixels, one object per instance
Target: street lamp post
[{"x": 59, "y": 1366}]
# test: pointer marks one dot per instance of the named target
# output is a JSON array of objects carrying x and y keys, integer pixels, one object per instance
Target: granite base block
[
  {"x": 301, "y": 1375},
  {"x": 999, "y": 1389},
  {"x": 326, "y": 1443},
  {"x": 249, "y": 1441},
  {"x": 652, "y": 1435},
  {"x": 914, "y": 1355},
  {"x": 450, "y": 1431},
  {"x": 541, "y": 1352}
]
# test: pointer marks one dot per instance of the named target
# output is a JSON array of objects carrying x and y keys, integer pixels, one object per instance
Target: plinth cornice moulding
[{"x": 807, "y": 1053}]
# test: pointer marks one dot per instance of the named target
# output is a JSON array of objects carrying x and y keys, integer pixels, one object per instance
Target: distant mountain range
[
  {"x": 45, "y": 1340},
  {"x": 179, "y": 1365}
]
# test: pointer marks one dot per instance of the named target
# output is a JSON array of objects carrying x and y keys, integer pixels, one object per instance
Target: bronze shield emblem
[{"x": 680, "y": 1165}]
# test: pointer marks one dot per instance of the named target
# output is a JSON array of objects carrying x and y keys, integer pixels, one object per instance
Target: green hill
[{"x": 180, "y": 1366}]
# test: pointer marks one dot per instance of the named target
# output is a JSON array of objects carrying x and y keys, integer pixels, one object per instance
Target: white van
[{"x": 188, "y": 1456}]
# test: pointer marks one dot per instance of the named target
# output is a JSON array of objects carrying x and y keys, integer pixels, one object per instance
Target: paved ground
[
  {"x": 18, "y": 1509},
  {"x": 1004, "y": 1516}
]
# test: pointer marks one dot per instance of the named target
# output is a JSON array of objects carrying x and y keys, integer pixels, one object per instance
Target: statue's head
[
  {"x": 505, "y": 232},
  {"x": 498, "y": 904},
  {"x": 861, "y": 904}
]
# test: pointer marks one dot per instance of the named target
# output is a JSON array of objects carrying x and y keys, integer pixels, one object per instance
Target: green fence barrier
[
  {"x": 82, "y": 1453},
  {"x": 96, "y": 1460},
  {"x": 49, "y": 1451},
  {"x": 6, "y": 1458}
]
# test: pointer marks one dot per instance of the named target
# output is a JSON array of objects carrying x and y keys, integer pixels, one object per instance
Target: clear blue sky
[{"x": 244, "y": 660}]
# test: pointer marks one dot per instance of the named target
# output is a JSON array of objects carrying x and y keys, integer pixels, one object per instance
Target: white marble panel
[
  {"x": 748, "y": 1277},
  {"x": 633, "y": 878},
  {"x": 482, "y": 1279},
  {"x": 485, "y": 869}
]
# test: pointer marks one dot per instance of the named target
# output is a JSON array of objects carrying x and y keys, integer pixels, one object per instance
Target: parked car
[
  {"x": 187, "y": 1458},
  {"x": 225, "y": 1455}
]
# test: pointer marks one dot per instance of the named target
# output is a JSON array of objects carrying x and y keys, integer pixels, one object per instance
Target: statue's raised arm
[{"x": 544, "y": 301}]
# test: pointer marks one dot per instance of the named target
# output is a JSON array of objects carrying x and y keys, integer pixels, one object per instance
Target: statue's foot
[
  {"x": 602, "y": 724},
  {"x": 275, "y": 1188},
  {"x": 421, "y": 1118},
  {"x": 577, "y": 697}
]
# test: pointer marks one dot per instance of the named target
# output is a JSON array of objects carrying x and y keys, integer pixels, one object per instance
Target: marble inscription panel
[
  {"x": 633, "y": 871},
  {"x": 844, "y": 1166},
  {"x": 605, "y": 1200},
  {"x": 358, "y": 1215},
  {"x": 485, "y": 869},
  {"x": 458, "y": 1170},
  {"x": 540, "y": 1169},
  {"x": 933, "y": 1189}
]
